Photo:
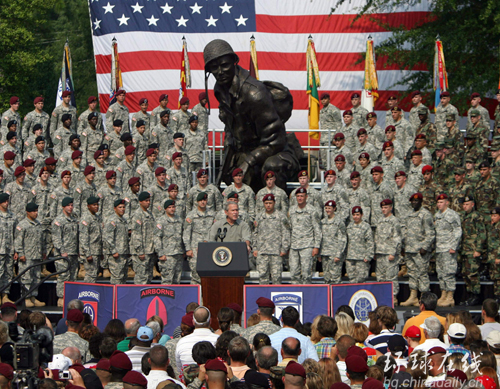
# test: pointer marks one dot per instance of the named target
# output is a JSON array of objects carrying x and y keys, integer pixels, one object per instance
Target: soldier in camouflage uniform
[
  {"x": 42, "y": 197},
  {"x": 333, "y": 243},
  {"x": 92, "y": 136},
  {"x": 12, "y": 114},
  {"x": 214, "y": 197},
  {"x": 313, "y": 195},
  {"x": 390, "y": 163},
  {"x": 452, "y": 131},
  {"x": 459, "y": 190},
  {"x": 118, "y": 111},
  {"x": 37, "y": 116},
  {"x": 65, "y": 239},
  {"x": 399, "y": 150},
  {"x": 180, "y": 119},
  {"x": 113, "y": 138},
  {"x": 143, "y": 115},
  {"x": 31, "y": 146},
  {"x": 266, "y": 326},
  {"x": 31, "y": 178},
  {"x": 363, "y": 146},
  {"x": 169, "y": 245},
  {"x": 178, "y": 147},
  {"x": 90, "y": 234},
  {"x": 472, "y": 176},
  {"x": 146, "y": 170},
  {"x": 83, "y": 119},
  {"x": 142, "y": 225},
  {"x": 349, "y": 130},
  {"x": 442, "y": 111},
  {"x": 71, "y": 338},
  {"x": 65, "y": 157},
  {"x": 196, "y": 229},
  {"x": 131, "y": 196},
  {"x": 163, "y": 135},
  {"x": 376, "y": 135},
  {"x": 404, "y": 129},
  {"x": 30, "y": 249},
  {"x": 343, "y": 171},
  {"x": 8, "y": 167},
  {"x": 495, "y": 156},
  {"x": 331, "y": 120},
  {"x": 340, "y": 149},
  {"x": 402, "y": 207},
  {"x": 478, "y": 128},
  {"x": 335, "y": 192},
  {"x": 20, "y": 193},
  {"x": 155, "y": 114},
  {"x": 116, "y": 243},
  {"x": 357, "y": 195},
  {"x": 178, "y": 175},
  {"x": 429, "y": 189},
  {"x": 84, "y": 190},
  {"x": 246, "y": 195},
  {"x": 59, "y": 193},
  {"x": 494, "y": 251},
  {"x": 141, "y": 140},
  {"x": 381, "y": 190},
  {"x": 119, "y": 155},
  {"x": 8, "y": 223},
  {"x": 388, "y": 241},
  {"x": 486, "y": 192},
  {"x": 359, "y": 112},
  {"x": 100, "y": 169},
  {"x": 57, "y": 120},
  {"x": 271, "y": 241},
  {"x": 180, "y": 204},
  {"x": 201, "y": 111},
  {"x": 415, "y": 177},
  {"x": 159, "y": 192},
  {"x": 360, "y": 247},
  {"x": 474, "y": 239},
  {"x": 365, "y": 172},
  {"x": 416, "y": 99},
  {"x": 11, "y": 145},
  {"x": 126, "y": 168},
  {"x": 280, "y": 197},
  {"x": 419, "y": 238},
  {"x": 448, "y": 234},
  {"x": 196, "y": 143},
  {"x": 445, "y": 164},
  {"x": 475, "y": 105},
  {"x": 427, "y": 128},
  {"x": 306, "y": 238},
  {"x": 61, "y": 136},
  {"x": 108, "y": 194}
]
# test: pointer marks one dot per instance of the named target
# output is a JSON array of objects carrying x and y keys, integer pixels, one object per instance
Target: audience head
[{"x": 203, "y": 351}]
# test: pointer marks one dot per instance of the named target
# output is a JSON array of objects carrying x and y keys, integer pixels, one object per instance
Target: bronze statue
[{"x": 254, "y": 114}]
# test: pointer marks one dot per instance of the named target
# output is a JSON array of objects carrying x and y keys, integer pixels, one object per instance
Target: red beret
[
  {"x": 330, "y": 172},
  {"x": 160, "y": 170},
  {"x": 356, "y": 364},
  {"x": 474, "y": 95},
  {"x": 202, "y": 172},
  {"x": 387, "y": 144},
  {"x": 417, "y": 196},
  {"x": 386, "y": 202},
  {"x": 340, "y": 158},
  {"x": 436, "y": 350},
  {"x": 43, "y": 169},
  {"x": 264, "y": 302},
  {"x": 184, "y": 100},
  {"x": 163, "y": 96},
  {"x": 268, "y": 197},
  {"x": 110, "y": 174},
  {"x": 65, "y": 173},
  {"x": 187, "y": 319},
  {"x": 8, "y": 305},
  {"x": 19, "y": 170},
  {"x": 400, "y": 174},
  {"x": 377, "y": 169},
  {"x": 415, "y": 93},
  {"x": 172, "y": 187},
  {"x": 50, "y": 161},
  {"x": 355, "y": 95},
  {"x": 301, "y": 190},
  {"x": 347, "y": 112},
  {"x": 77, "y": 153},
  {"x": 98, "y": 153},
  {"x": 143, "y": 100},
  {"x": 427, "y": 168},
  {"x": 340, "y": 385},
  {"x": 133, "y": 181},
  {"x": 442, "y": 196},
  {"x": 390, "y": 128},
  {"x": 302, "y": 173},
  {"x": 91, "y": 99},
  {"x": 89, "y": 169},
  {"x": 235, "y": 307},
  {"x": 357, "y": 210},
  {"x": 355, "y": 175},
  {"x": 38, "y": 100},
  {"x": 7, "y": 371},
  {"x": 103, "y": 364},
  {"x": 178, "y": 154},
  {"x": 364, "y": 155},
  {"x": 371, "y": 115},
  {"x": 421, "y": 136},
  {"x": 372, "y": 383},
  {"x": 458, "y": 374},
  {"x": 235, "y": 171},
  {"x": 331, "y": 203},
  {"x": 13, "y": 100},
  {"x": 445, "y": 94},
  {"x": 355, "y": 350},
  {"x": 29, "y": 162},
  {"x": 338, "y": 136},
  {"x": 361, "y": 131},
  {"x": 202, "y": 96},
  {"x": 151, "y": 151},
  {"x": 295, "y": 368},
  {"x": 416, "y": 152},
  {"x": 129, "y": 150},
  {"x": 324, "y": 96},
  {"x": 215, "y": 365},
  {"x": 269, "y": 174},
  {"x": 135, "y": 378},
  {"x": 8, "y": 155},
  {"x": 66, "y": 93},
  {"x": 120, "y": 92},
  {"x": 120, "y": 360},
  {"x": 75, "y": 315},
  {"x": 392, "y": 97}
]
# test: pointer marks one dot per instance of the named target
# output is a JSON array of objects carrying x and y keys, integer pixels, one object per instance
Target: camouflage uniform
[
  {"x": 33, "y": 118},
  {"x": 264, "y": 326},
  {"x": 360, "y": 198},
  {"x": 486, "y": 196},
  {"x": 18, "y": 160},
  {"x": 42, "y": 197},
  {"x": 376, "y": 136},
  {"x": 419, "y": 234},
  {"x": 406, "y": 133},
  {"x": 271, "y": 237},
  {"x": 38, "y": 157},
  {"x": 19, "y": 197},
  {"x": 155, "y": 115},
  {"x": 8, "y": 223},
  {"x": 117, "y": 111},
  {"x": 345, "y": 151},
  {"x": 359, "y": 116},
  {"x": 116, "y": 240},
  {"x": 194, "y": 143},
  {"x": 66, "y": 162},
  {"x": 372, "y": 151},
  {"x": 214, "y": 200},
  {"x": 72, "y": 339},
  {"x": 429, "y": 129},
  {"x": 195, "y": 231},
  {"x": 83, "y": 122},
  {"x": 430, "y": 191},
  {"x": 180, "y": 178},
  {"x": 456, "y": 193},
  {"x": 168, "y": 242},
  {"x": 142, "y": 224},
  {"x": 366, "y": 177},
  {"x": 159, "y": 194},
  {"x": 280, "y": 197},
  {"x": 413, "y": 116},
  {"x": 344, "y": 176},
  {"x": 391, "y": 167},
  {"x": 443, "y": 167},
  {"x": 60, "y": 139},
  {"x": 448, "y": 234},
  {"x": 313, "y": 198},
  {"x": 360, "y": 246},
  {"x": 56, "y": 119},
  {"x": 388, "y": 241},
  {"x": 113, "y": 141},
  {"x": 350, "y": 132},
  {"x": 306, "y": 235},
  {"x": 246, "y": 198},
  {"x": 56, "y": 198},
  {"x": 471, "y": 178},
  {"x": 91, "y": 140},
  {"x": 474, "y": 238},
  {"x": 380, "y": 192},
  {"x": 141, "y": 143},
  {"x": 141, "y": 116},
  {"x": 83, "y": 191},
  {"x": 167, "y": 158},
  {"x": 485, "y": 118},
  {"x": 146, "y": 173},
  {"x": 132, "y": 202},
  {"x": 8, "y": 174},
  {"x": 414, "y": 175},
  {"x": 481, "y": 133},
  {"x": 124, "y": 172},
  {"x": 65, "y": 239},
  {"x": 440, "y": 119},
  {"x": 330, "y": 119},
  {"x": 402, "y": 205},
  {"x": 180, "y": 121},
  {"x": 202, "y": 113},
  {"x": 90, "y": 231},
  {"x": 339, "y": 195},
  {"x": 333, "y": 244},
  {"x": 164, "y": 136},
  {"x": 493, "y": 254}
]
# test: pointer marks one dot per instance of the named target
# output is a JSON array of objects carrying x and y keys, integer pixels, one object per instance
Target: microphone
[
  {"x": 218, "y": 233},
  {"x": 223, "y": 235}
]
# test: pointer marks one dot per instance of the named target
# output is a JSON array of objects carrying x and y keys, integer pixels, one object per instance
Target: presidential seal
[
  {"x": 222, "y": 256},
  {"x": 362, "y": 302}
]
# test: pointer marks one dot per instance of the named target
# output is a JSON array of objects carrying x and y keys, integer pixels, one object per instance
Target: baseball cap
[
  {"x": 145, "y": 334},
  {"x": 493, "y": 339},
  {"x": 457, "y": 330},
  {"x": 413, "y": 332}
]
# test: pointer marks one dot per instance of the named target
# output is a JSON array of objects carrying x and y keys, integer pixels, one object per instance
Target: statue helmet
[{"x": 216, "y": 49}]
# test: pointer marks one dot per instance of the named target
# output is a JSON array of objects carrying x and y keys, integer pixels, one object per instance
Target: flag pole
[{"x": 308, "y": 137}]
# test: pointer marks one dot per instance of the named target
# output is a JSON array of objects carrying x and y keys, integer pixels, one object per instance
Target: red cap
[
  {"x": 98, "y": 153},
  {"x": 129, "y": 150},
  {"x": 13, "y": 100},
  {"x": 178, "y": 154},
  {"x": 43, "y": 169},
  {"x": 330, "y": 172},
  {"x": 29, "y": 162},
  {"x": 66, "y": 93},
  {"x": 361, "y": 131},
  {"x": 184, "y": 100},
  {"x": 215, "y": 365},
  {"x": 110, "y": 174},
  {"x": 487, "y": 382},
  {"x": 377, "y": 169},
  {"x": 331, "y": 203},
  {"x": 143, "y": 100},
  {"x": 202, "y": 172},
  {"x": 347, "y": 112},
  {"x": 416, "y": 196},
  {"x": 8, "y": 155},
  {"x": 38, "y": 100},
  {"x": 7, "y": 371},
  {"x": 300, "y": 191},
  {"x": 269, "y": 174},
  {"x": 150, "y": 152},
  {"x": 474, "y": 95},
  {"x": 120, "y": 92},
  {"x": 415, "y": 93},
  {"x": 202, "y": 96},
  {"x": 135, "y": 378},
  {"x": 103, "y": 364},
  {"x": 355, "y": 175},
  {"x": 338, "y": 136},
  {"x": 50, "y": 161},
  {"x": 235, "y": 307},
  {"x": 387, "y": 144},
  {"x": 120, "y": 360},
  {"x": 163, "y": 96},
  {"x": 91, "y": 99},
  {"x": 356, "y": 364},
  {"x": 420, "y": 136},
  {"x": 458, "y": 374},
  {"x": 133, "y": 181},
  {"x": 372, "y": 383},
  {"x": 436, "y": 350},
  {"x": 416, "y": 152},
  {"x": 445, "y": 94},
  {"x": 386, "y": 202},
  {"x": 160, "y": 170},
  {"x": 414, "y": 331},
  {"x": 187, "y": 319},
  {"x": 269, "y": 197},
  {"x": 77, "y": 153},
  {"x": 89, "y": 169},
  {"x": 390, "y": 128},
  {"x": 295, "y": 368},
  {"x": 75, "y": 315},
  {"x": 78, "y": 367},
  {"x": 400, "y": 174},
  {"x": 427, "y": 168},
  {"x": 172, "y": 187},
  {"x": 355, "y": 350},
  {"x": 442, "y": 196},
  {"x": 364, "y": 155},
  {"x": 302, "y": 173},
  {"x": 8, "y": 305},
  {"x": 371, "y": 115},
  {"x": 340, "y": 158},
  {"x": 65, "y": 173},
  {"x": 236, "y": 171},
  {"x": 357, "y": 210},
  {"x": 392, "y": 97},
  {"x": 264, "y": 302},
  {"x": 19, "y": 170}
]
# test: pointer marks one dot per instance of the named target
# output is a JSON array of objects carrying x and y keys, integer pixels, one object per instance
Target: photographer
[{"x": 73, "y": 321}]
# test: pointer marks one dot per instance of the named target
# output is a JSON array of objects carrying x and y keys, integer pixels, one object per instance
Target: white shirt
[
  {"x": 486, "y": 328},
  {"x": 184, "y": 349},
  {"x": 156, "y": 376},
  {"x": 135, "y": 354},
  {"x": 430, "y": 343},
  {"x": 342, "y": 370}
]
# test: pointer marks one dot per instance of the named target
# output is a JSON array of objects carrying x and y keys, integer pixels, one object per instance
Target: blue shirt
[
  {"x": 379, "y": 342},
  {"x": 308, "y": 349}
]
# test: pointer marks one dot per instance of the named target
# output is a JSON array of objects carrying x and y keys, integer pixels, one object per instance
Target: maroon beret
[
  {"x": 324, "y": 96},
  {"x": 43, "y": 169},
  {"x": 110, "y": 174},
  {"x": 78, "y": 367},
  {"x": 184, "y": 100},
  {"x": 19, "y": 170},
  {"x": 264, "y": 302},
  {"x": 357, "y": 210},
  {"x": 355, "y": 350},
  {"x": 340, "y": 158},
  {"x": 400, "y": 173},
  {"x": 75, "y": 315},
  {"x": 65, "y": 173},
  {"x": 129, "y": 150},
  {"x": 178, "y": 154},
  {"x": 340, "y": 385},
  {"x": 50, "y": 161},
  {"x": 8, "y": 155},
  {"x": 135, "y": 378},
  {"x": 445, "y": 94},
  {"x": 97, "y": 154},
  {"x": 8, "y": 305},
  {"x": 442, "y": 196},
  {"x": 436, "y": 349},
  {"x": 1, "y": 172},
  {"x": 202, "y": 96},
  {"x": 120, "y": 360},
  {"x": 355, "y": 95},
  {"x": 364, "y": 155},
  {"x": 269, "y": 174},
  {"x": 371, "y": 115},
  {"x": 338, "y": 136},
  {"x": 377, "y": 169},
  {"x": 66, "y": 93},
  {"x": 89, "y": 169},
  {"x": 415, "y": 93},
  {"x": 29, "y": 162},
  {"x": 296, "y": 369},
  {"x": 215, "y": 365},
  {"x": 120, "y": 92},
  {"x": 235, "y": 171},
  {"x": 163, "y": 96},
  {"x": 301, "y": 190},
  {"x": 330, "y": 172},
  {"x": 392, "y": 97},
  {"x": 13, "y": 100},
  {"x": 150, "y": 151},
  {"x": 302, "y": 173},
  {"x": 235, "y": 307},
  {"x": 331, "y": 203},
  {"x": 143, "y": 100},
  {"x": 386, "y": 202},
  {"x": 361, "y": 131},
  {"x": 172, "y": 187},
  {"x": 187, "y": 319},
  {"x": 355, "y": 175},
  {"x": 421, "y": 136},
  {"x": 269, "y": 197},
  {"x": 427, "y": 168},
  {"x": 474, "y": 95},
  {"x": 390, "y": 128},
  {"x": 396, "y": 109},
  {"x": 387, "y": 144},
  {"x": 416, "y": 152},
  {"x": 91, "y": 99},
  {"x": 133, "y": 181},
  {"x": 458, "y": 374},
  {"x": 417, "y": 196},
  {"x": 38, "y": 100},
  {"x": 103, "y": 364},
  {"x": 160, "y": 170},
  {"x": 372, "y": 383},
  {"x": 76, "y": 154},
  {"x": 7, "y": 371},
  {"x": 347, "y": 112},
  {"x": 202, "y": 172},
  {"x": 356, "y": 364}
]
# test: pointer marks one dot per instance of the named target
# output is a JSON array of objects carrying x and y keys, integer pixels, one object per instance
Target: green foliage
[
  {"x": 470, "y": 32},
  {"x": 33, "y": 35}
]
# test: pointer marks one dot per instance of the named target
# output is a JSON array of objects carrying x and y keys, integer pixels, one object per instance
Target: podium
[{"x": 222, "y": 267}]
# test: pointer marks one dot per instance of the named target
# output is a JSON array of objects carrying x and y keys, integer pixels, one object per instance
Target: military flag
[
  {"x": 66, "y": 79},
  {"x": 254, "y": 69},
  {"x": 313, "y": 82},
  {"x": 440, "y": 75},
  {"x": 370, "y": 85},
  {"x": 116, "y": 73},
  {"x": 185, "y": 72}
]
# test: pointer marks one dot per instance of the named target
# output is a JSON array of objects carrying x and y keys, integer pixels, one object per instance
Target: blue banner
[
  {"x": 167, "y": 301},
  {"x": 98, "y": 300},
  {"x": 309, "y": 300},
  {"x": 362, "y": 298}
]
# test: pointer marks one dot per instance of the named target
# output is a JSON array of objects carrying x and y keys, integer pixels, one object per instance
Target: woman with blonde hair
[
  {"x": 315, "y": 336},
  {"x": 331, "y": 373},
  {"x": 344, "y": 324},
  {"x": 314, "y": 381},
  {"x": 359, "y": 332}
]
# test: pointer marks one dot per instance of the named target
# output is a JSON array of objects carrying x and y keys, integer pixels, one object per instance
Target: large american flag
[{"x": 150, "y": 32}]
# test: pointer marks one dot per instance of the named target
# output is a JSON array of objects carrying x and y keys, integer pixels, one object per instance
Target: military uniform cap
[
  {"x": 8, "y": 155},
  {"x": 92, "y": 200},
  {"x": 392, "y": 97},
  {"x": 325, "y": 96},
  {"x": 4, "y": 197},
  {"x": 117, "y": 123},
  {"x": 31, "y": 207},
  {"x": 43, "y": 169},
  {"x": 39, "y": 139},
  {"x": 371, "y": 115},
  {"x": 296, "y": 369},
  {"x": 354, "y": 175},
  {"x": 201, "y": 196},
  {"x": 38, "y": 99},
  {"x": 120, "y": 92},
  {"x": 67, "y": 201},
  {"x": 91, "y": 99},
  {"x": 387, "y": 144},
  {"x": 202, "y": 96},
  {"x": 469, "y": 160},
  {"x": 364, "y": 155},
  {"x": 445, "y": 94},
  {"x": 215, "y": 365},
  {"x": 118, "y": 202},
  {"x": 338, "y": 136},
  {"x": 140, "y": 123},
  {"x": 495, "y": 147},
  {"x": 450, "y": 116},
  {"x": 37, "y": 127},
  {"x": 163, "y": 96},
  {"x": 495, "y": 211},
  {"x": 29, "y": 162},
  {"x": 120, "y": 360},
  {"x": 302, "y": 173},
  {"x": 202, "y": 172},
  {"x": 73, "y": 137},
  {"x": 301, "y": 191},
  {"x": 216, "y": 49},
  {"x": 390, "y": 128},
  {"x": 178, "y": 135},
  {"x": 65, "y": 173},
  {"x": 154, "y": 146},
  {"x": 269, "y": 197},
  {"x": 417, "y": 196},
  {"x": 144, "y": 196},
  {"x": 416, "y": 152},
  {"x": 193, "y": 118},
  {"x": 331, "y": 203},
  {"x": 172, "y": 187},
  {"x": 19, "y": 170},
  {"x": 129, "y": 150},
  {"x": 75, "y": 315},
  {"x": 165, "y": 112},
  {"x": 439, "y": 145},
  {"x": 442, "y": 196},
  {"x": 357, "y": 210},
  {"x": 459, "y": 170},
  {"x": 421, "y": 136},
  {"x": 178, "y": 154},
  {"x": 377, "y": 169},
  {"x": 97, "y": 153},
  {"x": 400, "y": 173},
  {"x": 372, "y": 383},
  {"x": 89, "y": 169},
  {"x": 237, "y": 171},
  {"x": 468, "y": 198},
  {"x": 160, "y": 170},
  {"x": 232, "y": 195},
  {"x": 347, "y": 112},
  {"x": 427, "y": 168},
  {"x": 396, "y": 109},
  {"x": 92, "y": 115},
  {"x": 474, "y": 95},
  {"x": 386, "y": 202},
  {"x": 143, "y": 100},
  {"x": 77, "y": 153},
  {"x": 484, "y": 164},
  {"x": 415, "y": 93},
  {"x": 330, "y": 172},
  {"x": 264, "y": 302},
  {"x": 340, "y": 158},
  {"x": 356, "y": 364},
  {"x": 11, "y": 134},
  {"x": 133, "y": 181},
  {"x": 269, "y": 174},
  {"x": 470, "y": 136},
  {"x": 110, "y": 174},
  {"x": 11, "y": 123},
  {"x": 362, "y": 131},
  {"x": 65, "y": 117},
  {"x": 187, "y": 319},
  {"x": 135, "y": 378},
  {"x": 66, "y": 93},
  {"x": 150, "y": 151},
  {"x": 103, "y": 364},
  {"x": 126, "y": 136},
  {"x": 355, "y": 95},
  {"x": 422, "y": 111},
  {"x": 475, "y": 112},
  {"x": 168, "y": 203},
  {"x": 184, "y": 100}
]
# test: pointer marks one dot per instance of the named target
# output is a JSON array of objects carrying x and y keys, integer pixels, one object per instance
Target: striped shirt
[{"x": 379, "y": 342}]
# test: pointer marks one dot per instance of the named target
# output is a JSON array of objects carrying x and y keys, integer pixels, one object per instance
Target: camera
[{"x": 65, "y": 375}]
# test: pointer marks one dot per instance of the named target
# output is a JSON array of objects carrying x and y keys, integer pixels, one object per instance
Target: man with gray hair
[
  {"x": 202, "y": 332},
  {"x": 432, "y": 329},
  {"x": 61, "y": 324},
  {"x": 238, "y": 351},
  {"x": 233, "y": 228},
  {"x": 266, "y": 358},
  {"x": 131, "y": 327}
]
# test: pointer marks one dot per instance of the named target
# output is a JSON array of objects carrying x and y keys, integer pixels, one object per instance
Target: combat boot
[
  {"x": 45, "y": 272},
  {"x": 106, "y": 273},
  {"x": 6, "y": 299},
  {"x": 450, "y": 301},
  {"x": 130, "y": 272},
  {"x": 442, "y": 299},
  {"x": 156, "y": 273},
  {"x": 412, "y": 300},
  {"x": 396, "y": 301},
  {"x": 37, "y": 303},
  {"x": 81, "y": 272},
  {"x": 403, "y": 272},
  {"x": 29, "y": 303},
  {"x": 474, "y": 299}
]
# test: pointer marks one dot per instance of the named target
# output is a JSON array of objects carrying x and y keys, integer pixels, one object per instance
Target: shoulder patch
[
  {"x": 33, "y": 191},
  {"x": 134, "y": 119},
  {"x": 57, "y": 223},
  {"x": 84, "y": 133},
  {"x": 84, "y": 223},
  {"x": 53, "y": 196},
  {"x": 168, "y": 177},
  {"x": 107, "y": 137},
  {"x": 99, "y": 195},
  {"x": 127, "y": 199},
  {"x": 58, "y": 136},
  {"x": 174, "y": 118},
  {"x": 110, "y": 110},
  {"x": 19, "y": 228},
  {"x": 119, "y": 169},
  {"x": 159, "y": 226},
  {"x": 167, "y": 156},
  {"x": 139, "y": 222},
  {"x": 78, "y": 190},
  {"x": 7, "y": 192},
  {"x": 54, "y": 114},
  {"x": 139, "y": 171},
  {"x": 154, "y": 133},
  {"x": 113, "y": 224}
]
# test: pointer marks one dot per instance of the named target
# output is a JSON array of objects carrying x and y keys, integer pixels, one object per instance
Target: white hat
[
  {"x": 493, "y": 339},
  {"x": 457, "y": 330},
  {"x": 60, "y": 362}
]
